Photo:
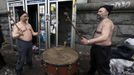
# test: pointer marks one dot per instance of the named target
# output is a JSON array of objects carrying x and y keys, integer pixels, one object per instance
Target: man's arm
[
  {"x": 16, "y": 33},
  {"x": 103, "y": 37},
  {"x": 33, "y": 33}
]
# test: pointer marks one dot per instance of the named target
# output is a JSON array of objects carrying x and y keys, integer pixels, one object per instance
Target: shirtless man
[
  {"x": 23, "y": 32},
  {"x": 101, "y": 43}
]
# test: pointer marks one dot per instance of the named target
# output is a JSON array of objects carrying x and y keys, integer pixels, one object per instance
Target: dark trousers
[
  {"x": 24, "y": 54},
  {"x": 100, "y": 60}
]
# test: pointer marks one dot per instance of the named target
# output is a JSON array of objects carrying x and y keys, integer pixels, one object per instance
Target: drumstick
[
  {"x": 9, "y": 14},
  {"x": 77, "y": 32}
]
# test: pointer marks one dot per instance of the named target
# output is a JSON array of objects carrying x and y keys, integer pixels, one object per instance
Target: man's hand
[
  {"x": 20, "y": 32},
  {"x": 39, "y": 32},
  {"x": 84, "y": 41}
]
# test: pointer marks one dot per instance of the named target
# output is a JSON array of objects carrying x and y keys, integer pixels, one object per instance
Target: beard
[{"x": 99, "y": 17}]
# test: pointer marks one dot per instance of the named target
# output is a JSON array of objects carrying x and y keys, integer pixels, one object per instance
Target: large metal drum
[{"x": 60, "y": 61}]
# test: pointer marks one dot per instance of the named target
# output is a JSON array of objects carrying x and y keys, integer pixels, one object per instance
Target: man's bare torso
[
  {"x": 26, "y": 31},
  {"x": 99, "y": 30}
]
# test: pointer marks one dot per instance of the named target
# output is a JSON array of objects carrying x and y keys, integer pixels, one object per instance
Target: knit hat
[{"x": 109, "y": 8}]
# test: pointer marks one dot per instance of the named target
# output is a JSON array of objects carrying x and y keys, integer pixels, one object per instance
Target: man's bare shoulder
[
  {"x": 108, "y": 21},
  {"x": 29, "y": 25},
  {"x": 16, "y": 24}
]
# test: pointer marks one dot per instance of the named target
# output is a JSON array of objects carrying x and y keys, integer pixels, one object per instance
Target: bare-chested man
[
  {"x": 101, "y": 43},
  {"x": 23, "y": 33}
]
